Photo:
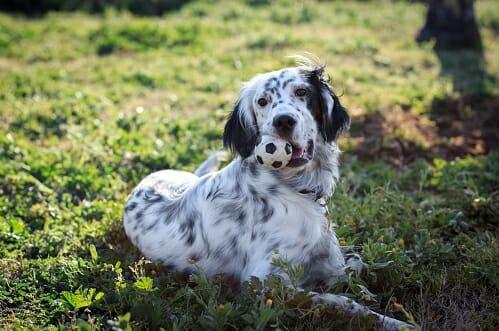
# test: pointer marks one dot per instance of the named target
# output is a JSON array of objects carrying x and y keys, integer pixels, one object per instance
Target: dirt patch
[
  {"x": 468, "y": 125},
  {"x": 453, "y": 127},
  {"x": 396, "y": 136}
]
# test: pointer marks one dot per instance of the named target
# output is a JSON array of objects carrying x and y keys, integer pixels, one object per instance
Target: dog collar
[{"x": 318, "y": 197}]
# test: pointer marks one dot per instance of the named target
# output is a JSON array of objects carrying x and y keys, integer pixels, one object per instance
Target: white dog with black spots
[{"x": 238, "y": 219}]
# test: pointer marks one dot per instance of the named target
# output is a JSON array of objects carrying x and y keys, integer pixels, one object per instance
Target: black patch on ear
[
  {"x": 332, "y": 126},
  {"x": 339, "y": 122},
  {"x": 236, "y": 137}
]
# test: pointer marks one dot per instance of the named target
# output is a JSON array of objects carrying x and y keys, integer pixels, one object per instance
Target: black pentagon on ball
[
  {"x": 277, "y": 164},
  {"x": 259, "y": 159},
  {"x": 270, "y": 148},
  {"x": 288, "y": 149}
]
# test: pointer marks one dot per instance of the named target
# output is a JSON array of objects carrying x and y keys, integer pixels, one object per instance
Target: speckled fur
[{"x": 237, "y": 219}]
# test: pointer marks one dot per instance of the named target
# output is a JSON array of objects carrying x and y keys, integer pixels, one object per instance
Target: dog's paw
[{"x": 354, "y": 262}]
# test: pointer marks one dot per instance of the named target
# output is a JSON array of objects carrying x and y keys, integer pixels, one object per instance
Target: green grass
[{"x": 90, "y": 104}]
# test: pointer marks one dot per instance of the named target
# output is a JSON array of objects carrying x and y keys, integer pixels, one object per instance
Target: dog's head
[{"x": 296, "y": 104}]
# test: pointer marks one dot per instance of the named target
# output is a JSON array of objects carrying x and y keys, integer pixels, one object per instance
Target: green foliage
[
  {"x": 82, "y": 298},
  {"x": 142, "y": 36},
  {"x": 79, "y": 130}
]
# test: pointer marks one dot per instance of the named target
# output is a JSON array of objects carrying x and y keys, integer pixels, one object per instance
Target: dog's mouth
[{"x": 301, "y": 154}]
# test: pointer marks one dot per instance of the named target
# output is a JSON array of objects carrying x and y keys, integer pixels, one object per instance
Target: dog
[{"x": 239, "y": 219}]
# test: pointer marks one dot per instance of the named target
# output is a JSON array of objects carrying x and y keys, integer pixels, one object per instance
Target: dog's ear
[
  {"x": 332, "y": 117},
  {"x": 240, "y": 133},
  {"x": 337, "y": 120}
]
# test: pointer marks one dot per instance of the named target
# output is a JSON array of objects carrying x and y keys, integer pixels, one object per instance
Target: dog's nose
[{"x": 284, "y": 124}]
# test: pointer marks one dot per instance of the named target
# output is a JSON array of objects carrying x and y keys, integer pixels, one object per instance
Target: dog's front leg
[
  {"x": 267, "y": 267},
  {"x": 352, "y": 308},
  {"x": 326, "y": 264}
]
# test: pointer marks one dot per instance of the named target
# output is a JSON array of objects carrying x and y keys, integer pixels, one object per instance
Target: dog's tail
[{"x": 212, "y": 163}]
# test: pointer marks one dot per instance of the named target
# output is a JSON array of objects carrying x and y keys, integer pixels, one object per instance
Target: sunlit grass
[{"x": 90, "y": 104}]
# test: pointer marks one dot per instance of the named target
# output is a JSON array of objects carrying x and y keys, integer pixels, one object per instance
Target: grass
[{"x": 90, "y": 104}]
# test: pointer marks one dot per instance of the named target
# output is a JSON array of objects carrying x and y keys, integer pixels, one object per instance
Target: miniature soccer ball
[{"x": 273, "y": 153}]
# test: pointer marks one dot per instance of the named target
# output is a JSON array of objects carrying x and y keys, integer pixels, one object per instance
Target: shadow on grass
[
  {"x": 466, "y": 68},
  {"x": 36, "y": 8}
]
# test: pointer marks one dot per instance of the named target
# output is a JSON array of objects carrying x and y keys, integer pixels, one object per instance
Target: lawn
[{"x": 92, "y": 103}]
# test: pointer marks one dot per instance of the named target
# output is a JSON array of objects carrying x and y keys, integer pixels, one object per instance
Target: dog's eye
[
  {"x": 262, "y": 102},
  {"x": 300, "y": 92}
]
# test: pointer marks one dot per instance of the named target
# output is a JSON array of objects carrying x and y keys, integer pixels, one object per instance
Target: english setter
[{"x": 238, "y": 219}]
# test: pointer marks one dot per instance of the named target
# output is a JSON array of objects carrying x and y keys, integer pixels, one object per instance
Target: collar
[{"x": 318, "y": 197}]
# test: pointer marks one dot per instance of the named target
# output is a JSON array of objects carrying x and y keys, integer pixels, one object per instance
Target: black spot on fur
[
  {"x": 131, "y": 206},
  {"x": 216, "y": 194},
  {"x": 187, "y": 227},
  {"x": 241, "y": 218},
  {"x": 233, "y": 242},
  {"x": 253, "y": 192},
  {"x": 286, "y": 82},
  {"x": 151, "y": 226},
  {"x": 152, "y": 196},
  {"x": 273, "y": 189},
  {"x": 245, "y": 260},
  {"x": 228, "y": 209},
  {"x": 139, "y": 216},
  {"x": 253, "y": 169},
  {"x": 212, "y": 192},
  {"x": 218, "y": 252},
  {"x": 267, "y": 210},
  {"x": 190, "y": 239}
]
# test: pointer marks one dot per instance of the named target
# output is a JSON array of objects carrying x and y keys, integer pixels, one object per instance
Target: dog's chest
[
  {"x": 298, "y": 223},
  {"x": 287, "y": 222}
]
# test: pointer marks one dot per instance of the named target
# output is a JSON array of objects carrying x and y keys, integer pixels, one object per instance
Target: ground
[{"x": 91, "y": 103}]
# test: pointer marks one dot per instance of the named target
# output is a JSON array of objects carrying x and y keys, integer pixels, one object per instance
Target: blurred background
[
  {"x": 95, "y": 95},
  {"x": 414, "y": 75}
]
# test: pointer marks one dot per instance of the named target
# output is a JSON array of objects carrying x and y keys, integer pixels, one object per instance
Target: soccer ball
[{"x": 273, "y": 153}]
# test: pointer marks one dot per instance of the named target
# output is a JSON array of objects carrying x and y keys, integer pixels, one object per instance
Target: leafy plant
[{"x": 81, "y": 298}]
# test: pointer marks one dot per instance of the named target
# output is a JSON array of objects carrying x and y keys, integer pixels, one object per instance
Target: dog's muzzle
[{"x": 284, "y": 125}]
